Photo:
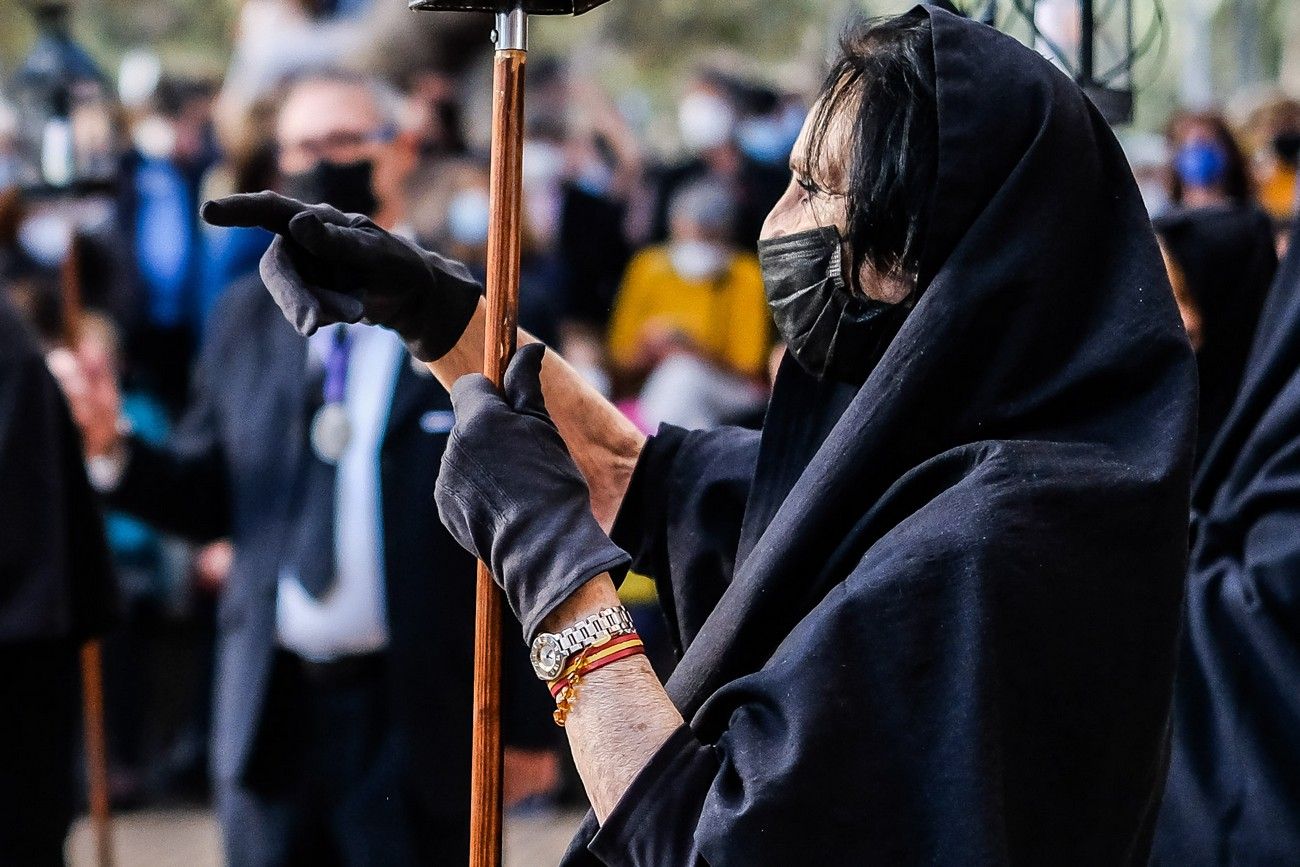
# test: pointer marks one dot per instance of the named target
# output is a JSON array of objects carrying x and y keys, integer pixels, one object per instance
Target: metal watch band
[
  {"x": 607, "y": 622},
  {"x": 550, "y": 651}
]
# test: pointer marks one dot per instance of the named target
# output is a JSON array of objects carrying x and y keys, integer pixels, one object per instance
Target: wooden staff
[
  {"x": 505, "y": 194},
  {"x": 504, "y": 198},
  {"x": 92, "y": 663}
]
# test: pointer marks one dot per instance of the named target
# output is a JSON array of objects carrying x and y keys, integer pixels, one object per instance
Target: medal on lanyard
[{"x": 330, "y": 428}]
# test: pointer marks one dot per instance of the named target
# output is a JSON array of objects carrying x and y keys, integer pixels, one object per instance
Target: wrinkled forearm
[
  {"x": 621, "y": 716},
  {"x": 603, "y": 443}
]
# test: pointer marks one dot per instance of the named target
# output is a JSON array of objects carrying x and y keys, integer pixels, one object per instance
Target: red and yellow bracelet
[{"x": 596, "y": 656}]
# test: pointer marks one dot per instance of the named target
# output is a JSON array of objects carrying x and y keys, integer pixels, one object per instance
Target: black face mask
[
  {"x": 1287, "y": 147},
  {"x": 833, "y": 332},
  {"x": 346, "y": 186}
]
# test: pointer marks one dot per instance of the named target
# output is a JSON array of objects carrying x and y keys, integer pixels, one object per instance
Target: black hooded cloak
[
  {"x": 1228, "y": 259},
  {"x": 1233, "y": 795},
  {"x": 56, "y": 576},
  {"x": 933, "y": 618}
]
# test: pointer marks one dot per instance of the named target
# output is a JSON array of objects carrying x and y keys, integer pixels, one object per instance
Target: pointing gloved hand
[
  {"x": 510, "y": 493},
  {"x": 325, "y": 266}
]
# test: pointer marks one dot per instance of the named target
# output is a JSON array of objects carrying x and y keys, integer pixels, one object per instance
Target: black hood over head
[
  {"x": 950, "y": 631},
  {"x": 1044, "y": 315},
  {"x": 1232, "y": 795}
]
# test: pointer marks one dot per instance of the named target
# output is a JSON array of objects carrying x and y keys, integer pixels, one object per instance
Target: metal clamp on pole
[{"x": 511, "y": 33}]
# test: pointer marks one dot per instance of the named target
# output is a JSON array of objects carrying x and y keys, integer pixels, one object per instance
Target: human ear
[{"x": 892, "y": 287}]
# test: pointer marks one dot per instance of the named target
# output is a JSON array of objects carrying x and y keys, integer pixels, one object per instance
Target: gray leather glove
[
  {"x": 325, "y": 266},
  {"x": 510, "y": 493}
]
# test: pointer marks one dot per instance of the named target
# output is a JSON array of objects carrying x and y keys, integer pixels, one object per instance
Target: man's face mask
[
  {"x": 346, "y": 186},
  {"x": 832, "y": 331}
]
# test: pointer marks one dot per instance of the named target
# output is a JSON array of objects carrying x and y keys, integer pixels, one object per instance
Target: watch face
[{"x": 547, "y": 656}]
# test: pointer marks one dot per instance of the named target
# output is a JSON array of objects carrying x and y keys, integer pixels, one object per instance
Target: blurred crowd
[
  {"x": 638, "y": 267},
  {"x": 1222, "y": 197}
]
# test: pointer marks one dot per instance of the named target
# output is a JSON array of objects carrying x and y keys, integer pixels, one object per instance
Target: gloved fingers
[
  {"x": 453, "y": 506},
  {"x": 305, "y": 305},
  {"x": 332, "y": 237},
  {"x": 523, "y": 382},
  {"x": 267, "y": 210},
  {"x": 473, "y": 396}
]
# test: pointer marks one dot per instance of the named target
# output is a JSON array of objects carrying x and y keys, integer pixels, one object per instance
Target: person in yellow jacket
[{"x": 690, "y": 332}]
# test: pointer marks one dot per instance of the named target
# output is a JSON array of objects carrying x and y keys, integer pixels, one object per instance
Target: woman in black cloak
[
  {"x": 929, "y": 613},
  {"x": 1233, "y": 795},
  {"x": 1227, "y": 257}
]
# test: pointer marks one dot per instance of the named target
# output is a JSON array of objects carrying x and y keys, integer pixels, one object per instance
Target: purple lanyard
[{"x": 336, "y": 366}]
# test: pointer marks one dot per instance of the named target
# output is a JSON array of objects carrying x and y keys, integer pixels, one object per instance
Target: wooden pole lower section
[
  {"x": 92, "y": 700},
  {"x": 504, "y": 196},
  {"x": 92, "y": 662}
]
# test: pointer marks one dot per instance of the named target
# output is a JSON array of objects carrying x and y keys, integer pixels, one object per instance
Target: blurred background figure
[
  {"x": 1223, "y": 246},
  {"x": 172, "y": 149},
  {"x": 583, "y": 169},
  {"x": 451, "y": 214},
  {"x": 332, "y": 744},
  {"x": 1270, "y": 135},
  {"x": 691, "y": 330},
  {"x": 714, "y": 109},
  {"x": 1208, "y": 166},
  {"x": 276, "y": 38},
  {"x": 56, "y": 591},
  {"x": 1148, "y": 157}
]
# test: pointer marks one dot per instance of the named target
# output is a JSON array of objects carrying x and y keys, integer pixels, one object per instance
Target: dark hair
[
  {"x": 885, "y": 74},
  {"x": 1236, "y": 179}
]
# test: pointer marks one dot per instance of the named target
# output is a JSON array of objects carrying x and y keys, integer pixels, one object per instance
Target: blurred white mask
[
  {"x": 543, "y": 163},
  {"x": 697, "y": 260},
  {"x": 706, "y": 121},
  {"x": 467, "y": 217}
]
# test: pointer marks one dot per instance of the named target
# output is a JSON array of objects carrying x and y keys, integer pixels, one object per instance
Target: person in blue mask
[
  {"x": 1221, "y": 242},
  {"x": 1208, "y": 166}
]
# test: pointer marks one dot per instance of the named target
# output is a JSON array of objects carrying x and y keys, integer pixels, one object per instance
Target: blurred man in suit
[{"x": 345, "y": 657}]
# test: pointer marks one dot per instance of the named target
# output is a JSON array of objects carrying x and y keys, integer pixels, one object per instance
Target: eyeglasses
[{"x": 333, "y": 146}]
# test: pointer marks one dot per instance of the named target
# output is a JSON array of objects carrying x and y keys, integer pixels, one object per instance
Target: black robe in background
[
  {"x": 56, "y": 590},
  {"x": 56, "y": 579},
  {"x": 1233, "y": 795},
  {"x": 1228, "y": 260},
  {"x": 933, "y": 619}
]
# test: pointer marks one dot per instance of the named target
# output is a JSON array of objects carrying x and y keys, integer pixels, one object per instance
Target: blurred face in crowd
[
  {"x": 706, "y": 119},
  {"x": 336, "y": 130},
  {"x": 1206, "y": 163},
  {"x": 698, "y": 242},
  {"x": 683, "y": 228}
]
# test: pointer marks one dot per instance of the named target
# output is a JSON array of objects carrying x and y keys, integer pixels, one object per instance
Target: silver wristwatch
[{"x": 552, "y": 650}]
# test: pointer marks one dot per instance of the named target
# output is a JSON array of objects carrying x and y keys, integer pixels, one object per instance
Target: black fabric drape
[
  {"x": 56, "y": 578},
  {"x": 949, "y": 631},
  {"x": 1233, "y": 795},
  {"x": 1228, "y": 260}
]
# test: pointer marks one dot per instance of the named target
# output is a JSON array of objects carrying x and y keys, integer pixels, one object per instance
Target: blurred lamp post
[
  {"x": 1092, "y": 41},
  {"x": 64, "y": 107}
]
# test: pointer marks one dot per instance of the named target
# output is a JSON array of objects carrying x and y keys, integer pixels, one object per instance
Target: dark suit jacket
[
  {"x": 228, "y": 471},
  {"x": 56, "y": 579}
]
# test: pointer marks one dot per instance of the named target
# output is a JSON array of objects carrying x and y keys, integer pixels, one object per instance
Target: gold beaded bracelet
[{"x": 593, "y": 657}]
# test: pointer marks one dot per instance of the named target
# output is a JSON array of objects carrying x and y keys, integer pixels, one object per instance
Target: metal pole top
[{"x": 529, "y": 7}]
